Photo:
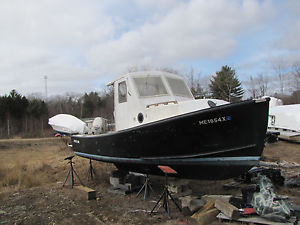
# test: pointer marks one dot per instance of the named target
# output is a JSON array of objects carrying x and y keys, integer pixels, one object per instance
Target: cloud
[
  {"x": 192, "y": 30},
  {"x": 75, "y": 42},
  {"x": 53, "y": 23},
  {"x": 49, "y": 38},
  {"x": 290, "y": 27},
  {"x": 283, "y": 46}
]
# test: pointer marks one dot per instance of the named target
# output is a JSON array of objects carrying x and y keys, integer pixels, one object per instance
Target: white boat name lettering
[{"x": 215, "y": 120}]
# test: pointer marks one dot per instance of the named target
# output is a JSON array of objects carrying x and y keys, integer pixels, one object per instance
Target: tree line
[
  {"x": 20, "y": 115},
  {"x": 28, "y": 117},
  {"x": 283, "y": 83}
]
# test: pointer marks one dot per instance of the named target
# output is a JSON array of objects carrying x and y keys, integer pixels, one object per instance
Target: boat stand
[
  {"x": 146, "y": 187},
  {"x": 166, "y": 194},
  {"x": 71, "y": 172},
  {"x": 91, "y": 171}
]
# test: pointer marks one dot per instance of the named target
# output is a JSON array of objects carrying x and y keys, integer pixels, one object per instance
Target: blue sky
[{"x": 81, "y": 45}]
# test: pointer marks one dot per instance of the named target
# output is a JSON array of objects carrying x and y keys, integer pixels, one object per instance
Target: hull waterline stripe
[{"x": 226, "y": 161}]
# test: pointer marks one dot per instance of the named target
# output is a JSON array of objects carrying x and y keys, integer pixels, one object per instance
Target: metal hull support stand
[
  {"x": 71, "y": 172},
  {"x": 166, "y": 194},
  {"x": 91, "y": 171},
  {"x": 147, "y": 186}
]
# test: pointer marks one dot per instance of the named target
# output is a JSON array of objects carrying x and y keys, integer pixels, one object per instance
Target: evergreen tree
[
  {"x": 226, "y": 86},
  {"x": 91, "y": 102},
  {"x": 37, "y": 108},
  {"x": 17, "y": 104},
  {"x": 3, "y": 108}
]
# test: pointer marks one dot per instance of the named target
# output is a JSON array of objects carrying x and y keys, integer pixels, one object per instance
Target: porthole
[{"x": 140, "y": 117}]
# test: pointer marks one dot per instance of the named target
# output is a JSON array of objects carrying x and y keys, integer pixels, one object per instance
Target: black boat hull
[{"x": 214, "y": 143}]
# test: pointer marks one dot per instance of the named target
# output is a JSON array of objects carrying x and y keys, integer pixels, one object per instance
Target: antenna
[{"x": 46, "y": 92}]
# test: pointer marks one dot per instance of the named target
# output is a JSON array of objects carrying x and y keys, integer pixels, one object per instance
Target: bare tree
[
  {"x": 263, "y": 84},
  {"x": 279, "y": 69},
  {"x": 190, "y": 78},
  {"x": 296, "y": 75},
  {"x": 195, "y": 84},
  {"x": 252, "y": 87}
]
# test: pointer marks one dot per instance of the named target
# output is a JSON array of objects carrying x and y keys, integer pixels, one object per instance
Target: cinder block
[
  {"x": 175, "y": 189},
  {"x": 114, "y": 181},
  {"x": 196, "y": 204},
  {"x": 185, "y": 201},
  {"x": 193, "y": 203}
]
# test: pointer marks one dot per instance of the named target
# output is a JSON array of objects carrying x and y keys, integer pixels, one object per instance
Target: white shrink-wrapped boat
[
  {"x": 286, "y": 120},
  {"x": 67, "y": 124}
]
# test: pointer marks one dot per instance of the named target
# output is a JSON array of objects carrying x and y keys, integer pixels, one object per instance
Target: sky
[{"x": 80, "y": 45}]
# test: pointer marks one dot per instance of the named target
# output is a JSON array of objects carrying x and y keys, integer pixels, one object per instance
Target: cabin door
[{"x": 121, "y": 105}]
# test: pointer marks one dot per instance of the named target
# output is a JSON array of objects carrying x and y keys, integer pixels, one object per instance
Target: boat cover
[
  {"x": 285, "y": 117},
  {"x": 274, "y": 101},
  {"x": 68, "y": 124}
]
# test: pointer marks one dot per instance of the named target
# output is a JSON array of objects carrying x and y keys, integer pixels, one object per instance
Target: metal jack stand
[
  {"x": 71, "y": 172},
  {"x": 166, "y": 194},
  {"x": 91, "y": 171},
  {"x": 147, "y": 186}
]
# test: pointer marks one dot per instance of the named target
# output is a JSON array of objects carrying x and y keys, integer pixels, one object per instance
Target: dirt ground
[{"x": 32, "y": 172}]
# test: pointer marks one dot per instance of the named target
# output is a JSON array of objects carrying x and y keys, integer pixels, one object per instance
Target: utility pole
[
  {"x": 8, "y": 131},
  {"x": 46, "y": 91}
]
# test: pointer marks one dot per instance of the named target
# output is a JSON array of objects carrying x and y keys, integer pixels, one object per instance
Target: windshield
[
  {"x": 150, "y": 86},
  {"x": 179, "y": 87}
]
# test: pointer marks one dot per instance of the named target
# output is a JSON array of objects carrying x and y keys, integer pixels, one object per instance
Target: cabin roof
[{"x": 145, "y": 73}]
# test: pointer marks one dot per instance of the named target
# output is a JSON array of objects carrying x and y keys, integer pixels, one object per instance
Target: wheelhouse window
[
  {"x": 179, "y": 87},
  {"x": 150, "y": 86},
  {"x": 122, "y": 90}
]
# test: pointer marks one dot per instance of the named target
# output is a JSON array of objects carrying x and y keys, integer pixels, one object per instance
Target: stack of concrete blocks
[
  {"x": 181, "y": 191},
  {"x": 179, "y": 187},
  {"x": 191, "y": 204},
  {"x": 123, "y": 183}
]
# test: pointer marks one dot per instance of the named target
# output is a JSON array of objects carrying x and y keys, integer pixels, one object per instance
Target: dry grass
[
  {"x": 35, "y": 162},
  {"x": 27, "y": 163}
]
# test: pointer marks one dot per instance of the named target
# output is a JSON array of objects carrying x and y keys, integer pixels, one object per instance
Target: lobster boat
[{"x": 158, "y": 122}]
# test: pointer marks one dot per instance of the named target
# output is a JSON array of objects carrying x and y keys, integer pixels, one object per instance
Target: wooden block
[
  {"x": 208, "y": 206},
  {"x": 227, "y": 209},
  {"x": 90, "y": 193},
  {"x": 207, "y": 217}
]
